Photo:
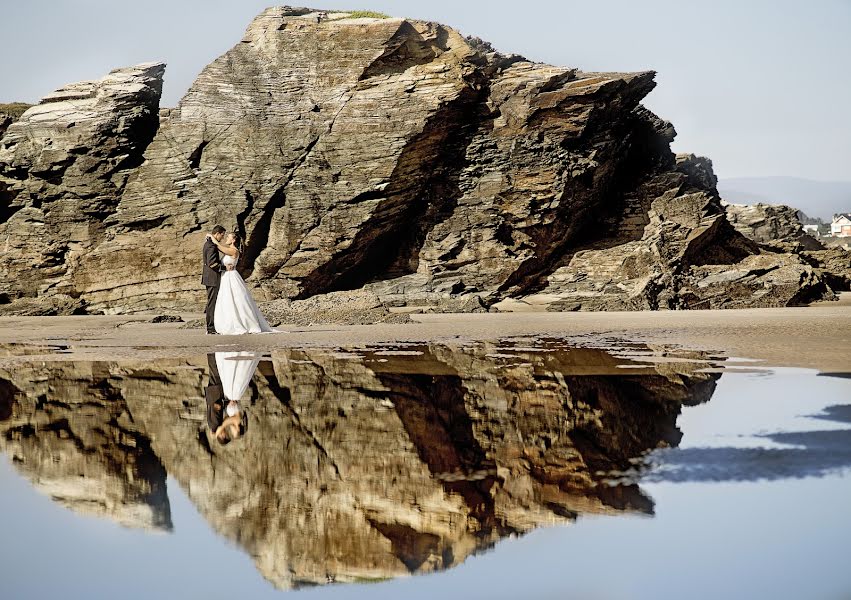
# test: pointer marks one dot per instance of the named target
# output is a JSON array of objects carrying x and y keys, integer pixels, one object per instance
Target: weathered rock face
[
  {"x": 387, "y": 154},
  {"x": 688, "y": 257},
  {"x": 773, "y": 225},
  {"x": 356, "y": 465},
  {"x": 835, "y": 266},
  {"x": 63, "y": 167}
]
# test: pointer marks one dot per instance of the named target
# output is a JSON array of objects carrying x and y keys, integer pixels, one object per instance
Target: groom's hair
[{"x": 218, "y": 229}]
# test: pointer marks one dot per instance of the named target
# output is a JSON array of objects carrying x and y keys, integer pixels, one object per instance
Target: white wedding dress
[
  {"x": 236, "y": 312},
  {"x": 236, "y": 369}
]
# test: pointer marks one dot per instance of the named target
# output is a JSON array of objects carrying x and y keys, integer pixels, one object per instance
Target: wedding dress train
[{"x": 236, "y": 312}]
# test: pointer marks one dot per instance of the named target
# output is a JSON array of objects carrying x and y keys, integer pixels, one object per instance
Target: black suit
[
  {"x": 214, "y": 393},
  {"x": 211, "y": 275}
]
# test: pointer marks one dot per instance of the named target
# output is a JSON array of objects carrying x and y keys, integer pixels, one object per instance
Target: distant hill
[{"x": 816, "y": 198}]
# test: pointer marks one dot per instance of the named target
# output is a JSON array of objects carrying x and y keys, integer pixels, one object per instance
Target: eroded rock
[
  {"x": 773, "y": 225},
  {"x": 391, "y": 155},
  {"x": 63, "y": 167}
]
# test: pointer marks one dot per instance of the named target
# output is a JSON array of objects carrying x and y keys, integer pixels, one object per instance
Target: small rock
[{"x": 166, "y": 319}]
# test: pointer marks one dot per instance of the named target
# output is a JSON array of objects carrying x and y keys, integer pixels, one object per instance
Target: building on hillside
[
  {"x": 812, "y": 230},
  {"x": 841, "y": 225}
]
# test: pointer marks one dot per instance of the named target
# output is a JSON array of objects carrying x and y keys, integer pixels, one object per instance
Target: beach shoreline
[{"x": 816, "y": 337}]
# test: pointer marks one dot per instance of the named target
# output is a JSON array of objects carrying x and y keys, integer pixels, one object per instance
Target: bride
[{"x": 236, "y": 312}]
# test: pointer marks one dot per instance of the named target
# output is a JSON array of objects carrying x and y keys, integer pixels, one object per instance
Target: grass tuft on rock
[{"x": 372, "y": 14}]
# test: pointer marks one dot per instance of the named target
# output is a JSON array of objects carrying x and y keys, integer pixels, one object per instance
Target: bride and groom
[{"x": 230, "y": 308}]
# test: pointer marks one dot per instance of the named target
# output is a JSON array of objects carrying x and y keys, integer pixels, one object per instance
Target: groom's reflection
[{"x": 226, "y": 418}]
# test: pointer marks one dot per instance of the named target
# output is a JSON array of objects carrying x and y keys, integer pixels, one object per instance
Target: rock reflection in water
[{"x": 359, "y": 465}]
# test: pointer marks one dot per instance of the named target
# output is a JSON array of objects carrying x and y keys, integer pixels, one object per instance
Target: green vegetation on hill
[
  {"x": 357, "y": 14},
  {"x": 14, "y": 109}
]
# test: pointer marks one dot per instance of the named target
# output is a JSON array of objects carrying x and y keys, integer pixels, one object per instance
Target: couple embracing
[{"x": 230, "y": 308}]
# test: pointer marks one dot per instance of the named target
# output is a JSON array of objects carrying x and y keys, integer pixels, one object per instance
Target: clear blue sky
[{"x": 762, "y": 87}]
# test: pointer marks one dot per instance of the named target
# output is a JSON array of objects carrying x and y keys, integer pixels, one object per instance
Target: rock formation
[
  {"x": 773, "y": 225},
  {"x": 355, "y": 465},
  {"x": 777, "y": 229},
  {"x": 63, "y": 167},
  {"x": 389, "y": 155}
]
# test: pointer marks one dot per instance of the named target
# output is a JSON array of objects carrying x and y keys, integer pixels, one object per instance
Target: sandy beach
[{"x": 816, "y": 337}]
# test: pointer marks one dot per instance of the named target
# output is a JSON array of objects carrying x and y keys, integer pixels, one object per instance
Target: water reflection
[
  {"x": 70, "y": 431},
  {"x": 810, "y": 454},
  {"x": 362, "y": 464},
  {"x": 229, "y": 377}
]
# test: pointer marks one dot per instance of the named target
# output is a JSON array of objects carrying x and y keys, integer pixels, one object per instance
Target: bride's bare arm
[{"x": 229, "y": 250}]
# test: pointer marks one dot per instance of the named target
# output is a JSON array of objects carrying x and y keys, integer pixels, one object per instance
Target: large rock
[
  {"x": 387, "y": 154},
  {"x": 357, "y": 465},
  {"x": 816, "y": 271},
  {"x": 835, "y": 264},
  {"x": 689, "y": 257},
  {"x": 773, "y": 225},
  {"x": 63, "y": 167}
]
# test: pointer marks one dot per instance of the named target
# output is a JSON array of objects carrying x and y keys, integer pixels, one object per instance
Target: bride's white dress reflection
[{"x": 236, "y": 369}]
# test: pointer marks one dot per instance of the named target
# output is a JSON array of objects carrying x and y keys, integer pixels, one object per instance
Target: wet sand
[{"x": 817, "y": 337}]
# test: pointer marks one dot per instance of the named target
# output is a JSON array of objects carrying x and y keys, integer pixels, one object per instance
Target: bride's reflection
[{"x": 230, "y": 375}]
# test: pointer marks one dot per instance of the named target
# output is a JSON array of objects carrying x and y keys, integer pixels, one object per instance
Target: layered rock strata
[
  {"x": 63, "y": 167},
  {"x": 689, "y": 256},
  {"x": 356, "y": 465},
  {"x": 388, "y": 154}
]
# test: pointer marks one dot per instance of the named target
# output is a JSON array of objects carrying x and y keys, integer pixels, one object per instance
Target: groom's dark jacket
[{"x": 212, "y": 270}]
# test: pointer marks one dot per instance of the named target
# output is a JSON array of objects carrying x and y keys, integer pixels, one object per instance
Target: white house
[{"x": 841, "y": 225}]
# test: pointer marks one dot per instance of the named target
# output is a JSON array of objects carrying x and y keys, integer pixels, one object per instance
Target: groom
[{"x": 211, "y": 274}]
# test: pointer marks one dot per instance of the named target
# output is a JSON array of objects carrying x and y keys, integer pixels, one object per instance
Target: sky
[{"x": 761, "y": 87}]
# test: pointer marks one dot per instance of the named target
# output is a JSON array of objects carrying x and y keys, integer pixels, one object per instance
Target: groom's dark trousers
[{"x": 211, "y": 276}]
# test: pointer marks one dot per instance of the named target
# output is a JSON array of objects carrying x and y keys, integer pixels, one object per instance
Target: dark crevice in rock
[
  {"x": 140, "y": 133},
  {"x": 421, "y": 192},
  {"x": 7, "y": 209},
  {"x": 592, "y": 205},
  {"x": 240, "y": 229},
  {"x": 144, "y": 224},
  {"x": 7, "y": 399},
  {"x": 412, "y": 547},
  {"x": 195, "y": 156},
  {"x": 204, "y": 442},
  {"x": 284, "y": 397},
  {"x": 721, "y": 244},
  {"x": 258, "y": 239},
  {"x": 434, "y": 415},
  {"x": 244, "y": 213}
]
